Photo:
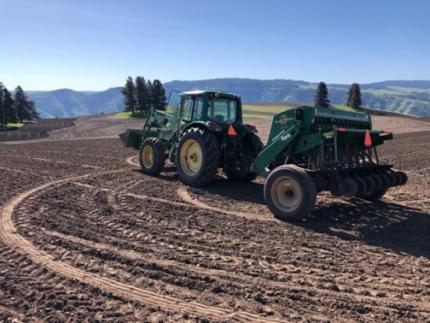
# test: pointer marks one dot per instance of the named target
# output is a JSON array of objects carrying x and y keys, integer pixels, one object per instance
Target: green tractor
[
  {"x": 309, "y": 150},
  {"x": 200, "y": 132}
]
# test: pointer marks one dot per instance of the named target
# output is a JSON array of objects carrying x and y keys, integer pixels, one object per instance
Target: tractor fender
[
  {"x": 203, "y": 125},
  {"x": 251, "y": 128}
]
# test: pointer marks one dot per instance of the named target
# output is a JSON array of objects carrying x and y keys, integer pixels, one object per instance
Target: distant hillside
[
  {"x": 68, "y": 103},
  {"x": 409, "y": 97}
]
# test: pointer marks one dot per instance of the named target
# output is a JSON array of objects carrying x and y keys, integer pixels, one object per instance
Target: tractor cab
[{"x": 209, "y": 106}]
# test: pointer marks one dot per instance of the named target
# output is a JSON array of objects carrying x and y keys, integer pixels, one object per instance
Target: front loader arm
[{"x": 278, "y": 144}]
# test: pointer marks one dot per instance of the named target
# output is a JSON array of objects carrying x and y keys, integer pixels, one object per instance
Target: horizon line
[{"x": 238, "y": 78}]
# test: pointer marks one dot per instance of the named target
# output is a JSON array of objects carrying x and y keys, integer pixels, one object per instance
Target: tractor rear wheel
[
  {"x": 197, "y": 156},
  {"x": 290, "y": 193},
  {"x": 152, "y": 156}
]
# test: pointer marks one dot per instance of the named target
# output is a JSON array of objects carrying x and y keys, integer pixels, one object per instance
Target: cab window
[
  {"x": 198, "y": 109},
  {"x": 187, "y": 109},
  {"x": 223, "y": 111},
  {"x": 173, "y": 104}
]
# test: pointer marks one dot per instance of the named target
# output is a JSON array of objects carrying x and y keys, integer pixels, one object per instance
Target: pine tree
[
  {"x": 3, "y": 120},
  {"x": 354, "y": 97},
  {"x": 9, "y": 107},
  {"x": 149, "y": 104},
  {"x": 158, "y": 95},
  {"x": 321, "y": 96},
  {"x": 22, "y": 105},
  {"x": 33, "y": 112},
  {"x": 142, "y": 95},
  {"x": 129, "y": 92}
]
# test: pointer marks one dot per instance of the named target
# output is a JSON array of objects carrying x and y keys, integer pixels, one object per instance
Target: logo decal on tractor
[
  {"x": 283, "y": 120},
  {"x": 285, "y": 137}
]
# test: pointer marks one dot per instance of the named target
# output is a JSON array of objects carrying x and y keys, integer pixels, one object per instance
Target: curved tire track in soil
[
  {"x": 10, "y": 236},
  {"x": 133, "y": 160},
  {"x": 186, "y": 197}
]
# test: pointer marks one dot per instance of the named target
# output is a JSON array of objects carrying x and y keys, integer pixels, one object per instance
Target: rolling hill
[
  {"x": 409, "y": 97},
  {"x": 69, "y": 103}
]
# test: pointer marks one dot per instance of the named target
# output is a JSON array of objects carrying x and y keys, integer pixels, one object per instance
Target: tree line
[
  {"x": 140, "y": 95},
  {"x": 354, "y": 100},
  {"x": 15, "y": 108}
]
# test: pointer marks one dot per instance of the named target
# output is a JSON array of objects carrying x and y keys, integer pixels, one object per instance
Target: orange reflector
[
  {"x": 231, "y": 131},
  {"x": 341, "y": 129},
  {"x": 367, "y": 139}
]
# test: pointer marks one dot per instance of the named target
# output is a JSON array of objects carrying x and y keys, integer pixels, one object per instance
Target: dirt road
[
  {"x": 37, "y": 130},
  {"x": 83, "y": 128},
  {"x": 108, "y": 126}
]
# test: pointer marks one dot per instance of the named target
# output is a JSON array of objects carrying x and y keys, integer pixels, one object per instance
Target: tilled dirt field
[{"x": 84, "y": 236}]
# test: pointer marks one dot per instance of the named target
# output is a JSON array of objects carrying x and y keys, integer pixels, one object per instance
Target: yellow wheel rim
[
  {"x": 147, "y": 156},
  {"x": 286, "y": 194},
  {"x": 191, "y": 157}
]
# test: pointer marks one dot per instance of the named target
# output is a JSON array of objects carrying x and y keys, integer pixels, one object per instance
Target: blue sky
[{"x": 93, "y": 45}]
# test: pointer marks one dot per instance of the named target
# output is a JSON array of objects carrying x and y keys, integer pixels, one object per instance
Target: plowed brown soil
[{"x": 85, "y": 236}]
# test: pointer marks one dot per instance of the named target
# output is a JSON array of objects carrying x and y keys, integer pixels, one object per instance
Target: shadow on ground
[{"x": 384, "y": 224}]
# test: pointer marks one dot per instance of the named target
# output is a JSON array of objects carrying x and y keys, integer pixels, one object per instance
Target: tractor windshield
[
  {"x": 173, "y": 103},
  {"x": 223, "y": 110}
]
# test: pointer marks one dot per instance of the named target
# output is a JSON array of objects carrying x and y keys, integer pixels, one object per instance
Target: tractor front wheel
[
  {"x": 290, "y": 192},
  {"x": 197, "y": 156},
  {"x": 152, "y": 156}
]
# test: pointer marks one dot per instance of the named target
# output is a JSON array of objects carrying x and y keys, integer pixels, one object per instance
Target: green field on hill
[
  {"x": 128, "y": 115},
  {"x": 14, "y": 125},
  {"x": 264, "y": 111}
]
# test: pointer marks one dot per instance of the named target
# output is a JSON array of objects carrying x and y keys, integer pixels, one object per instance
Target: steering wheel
[{"x": 219, "y": 118}]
